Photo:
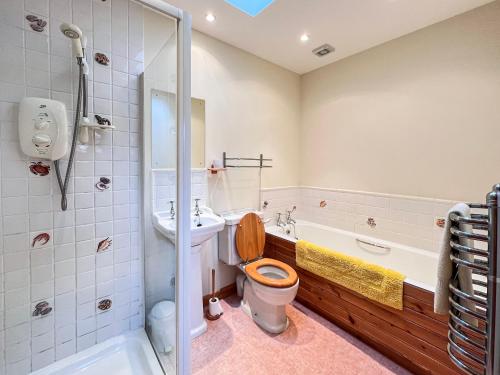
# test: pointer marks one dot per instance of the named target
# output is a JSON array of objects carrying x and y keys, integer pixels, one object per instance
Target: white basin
[{"x": 210, "y": 225}]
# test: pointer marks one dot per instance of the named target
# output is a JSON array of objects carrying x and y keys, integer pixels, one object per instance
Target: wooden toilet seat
[
  {"x": 252, "y": 271},
  {"x": 250, "y": 242}
]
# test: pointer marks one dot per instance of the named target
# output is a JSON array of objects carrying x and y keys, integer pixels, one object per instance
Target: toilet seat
[
  {"x": 287, "y": 277},
  {"x": 250, "y": 242}
]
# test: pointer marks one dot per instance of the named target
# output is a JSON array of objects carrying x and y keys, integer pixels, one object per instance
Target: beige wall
[
  {"x": 416, "y": 116},
  {"x": 251, "y": 106}
]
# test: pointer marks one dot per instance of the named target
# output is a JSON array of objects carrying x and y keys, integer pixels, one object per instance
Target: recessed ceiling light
[
  {"x": 210, "y": 17},
  {"x": 304, "y": 38}
]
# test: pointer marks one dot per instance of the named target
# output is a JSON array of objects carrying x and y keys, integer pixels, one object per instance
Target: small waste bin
[{"x": 161, "y": 322}]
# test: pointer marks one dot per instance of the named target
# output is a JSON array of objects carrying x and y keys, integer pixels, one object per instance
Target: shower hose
[{"x": 82, "y": 94}]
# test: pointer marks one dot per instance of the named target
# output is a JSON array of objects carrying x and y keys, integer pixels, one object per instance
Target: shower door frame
[{"x": 183, "y": 174}]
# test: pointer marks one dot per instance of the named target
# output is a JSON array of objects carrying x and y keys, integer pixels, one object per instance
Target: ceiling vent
[{"x": 323, "y": 50}]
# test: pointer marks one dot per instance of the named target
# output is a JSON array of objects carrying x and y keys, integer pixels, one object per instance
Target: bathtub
[
  {"x": 419, "y": 266},
  {"x": 414, "y": 337},
  {"x": 128, "y": 354}
]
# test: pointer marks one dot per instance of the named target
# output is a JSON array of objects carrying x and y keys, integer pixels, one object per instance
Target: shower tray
[{"x": 127, "y": 354}]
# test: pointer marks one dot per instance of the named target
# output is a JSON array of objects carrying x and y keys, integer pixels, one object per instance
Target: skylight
[{"x": 250, "y": 7}]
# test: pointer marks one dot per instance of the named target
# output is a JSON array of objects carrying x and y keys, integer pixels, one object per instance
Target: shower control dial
[
  {"x": 42, "y": 124},
  {"x": 41, "y": 140}
]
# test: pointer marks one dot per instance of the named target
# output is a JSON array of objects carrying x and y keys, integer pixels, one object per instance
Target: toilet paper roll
[{"x": 215, "y": 307}]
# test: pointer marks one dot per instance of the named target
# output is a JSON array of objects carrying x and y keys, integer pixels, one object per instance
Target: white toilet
[{"x": 266, "y": 285}]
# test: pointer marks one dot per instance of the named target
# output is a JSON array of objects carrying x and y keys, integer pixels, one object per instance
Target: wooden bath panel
[{"x": 415, "y": 337}]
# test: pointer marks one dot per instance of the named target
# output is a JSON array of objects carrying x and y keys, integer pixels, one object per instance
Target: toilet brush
[{"x": 214, "y": 306}]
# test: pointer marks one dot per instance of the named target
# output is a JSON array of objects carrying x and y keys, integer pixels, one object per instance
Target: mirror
[
  {"x": 197, "y": 133},
  {"x": 164, "y": 134}
]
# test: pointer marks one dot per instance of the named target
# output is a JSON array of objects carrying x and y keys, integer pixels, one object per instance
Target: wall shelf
[{"x": 213, "y": 170}]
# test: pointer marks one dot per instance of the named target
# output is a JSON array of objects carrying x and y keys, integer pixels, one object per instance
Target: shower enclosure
[{"x": 166, "y": 138}]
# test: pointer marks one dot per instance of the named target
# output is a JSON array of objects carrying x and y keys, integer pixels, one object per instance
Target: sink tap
[
  {"x": 197, "y": 211},
  {"x": 172, "y": 210}
]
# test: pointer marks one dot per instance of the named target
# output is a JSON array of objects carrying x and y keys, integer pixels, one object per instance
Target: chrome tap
[
  {"x": 279, "y": 222},
  {"x": 197, "y": 212},
  {"x": 172, "y": 210},
  {"x": 289, "y": 219},
  {"x": 288, "y": 231},
  {"x": 289, "y": 223}
]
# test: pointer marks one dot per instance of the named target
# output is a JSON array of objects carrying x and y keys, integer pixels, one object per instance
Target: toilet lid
[{"x": 250, "y": 237}]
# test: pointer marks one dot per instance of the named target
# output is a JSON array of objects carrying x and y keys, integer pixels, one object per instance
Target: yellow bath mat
[{"x": 370, "y": 280}]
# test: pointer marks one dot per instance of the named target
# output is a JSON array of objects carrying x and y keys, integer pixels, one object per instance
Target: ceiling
[{"x": 350, "y": 26}]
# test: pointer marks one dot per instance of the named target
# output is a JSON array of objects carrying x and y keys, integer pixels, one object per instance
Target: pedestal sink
[{"x": 202, "y": 229}]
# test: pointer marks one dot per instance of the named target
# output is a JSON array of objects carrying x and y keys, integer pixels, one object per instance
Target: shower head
[
  {"x": 75, "y": 34},
  {"x": 71, "y": 31}
]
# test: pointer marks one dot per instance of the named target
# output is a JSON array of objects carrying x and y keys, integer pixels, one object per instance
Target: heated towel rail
[{"x": 474, "y": 332}]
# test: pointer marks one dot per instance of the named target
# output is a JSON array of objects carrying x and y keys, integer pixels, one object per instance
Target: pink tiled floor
[{"x": 234, "y": 344}]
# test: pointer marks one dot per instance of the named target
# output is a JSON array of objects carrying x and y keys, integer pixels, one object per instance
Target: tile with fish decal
[
  {"x": 101, "y": 58},
  {"x": 440, "y": 222},
  {"x": 39, "y": 240},
  {"x": 104, "y": 304},
  {"x": 322, "y": 204},
  {"x": 37, "y": 24},
  {"x": 42, "y": 309},
  {"x": 104, "y": 245},
  {"x": 103, "y": 183},
  {"x": 371, "y": 222},
  {"x": 39, "y": 168}
]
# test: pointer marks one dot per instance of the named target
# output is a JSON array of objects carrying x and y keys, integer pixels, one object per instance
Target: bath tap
[
  {"x": 172, "y": 210},
  {"x": 280, "y": 223},
  {"x": 289, "y": 219},
  {"x": 197, "y": 211},
  {"x": 288, "y": 231},
  {"x": 287, "y": 225}
]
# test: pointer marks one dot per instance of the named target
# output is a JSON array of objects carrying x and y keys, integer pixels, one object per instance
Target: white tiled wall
[
  {"x": 67, "y": 272},
  {"x": 234, "y": 189},
  {"x": 406, "y": 220},
  {"x": 282, "y": 199},
  {"x": 164, "y": 188}
]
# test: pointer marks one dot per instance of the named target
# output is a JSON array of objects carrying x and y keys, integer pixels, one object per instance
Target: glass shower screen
[{"x": 164, "y": 132}]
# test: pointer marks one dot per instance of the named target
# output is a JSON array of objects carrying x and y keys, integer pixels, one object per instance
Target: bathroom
[{"x": 214, "y": 187}]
